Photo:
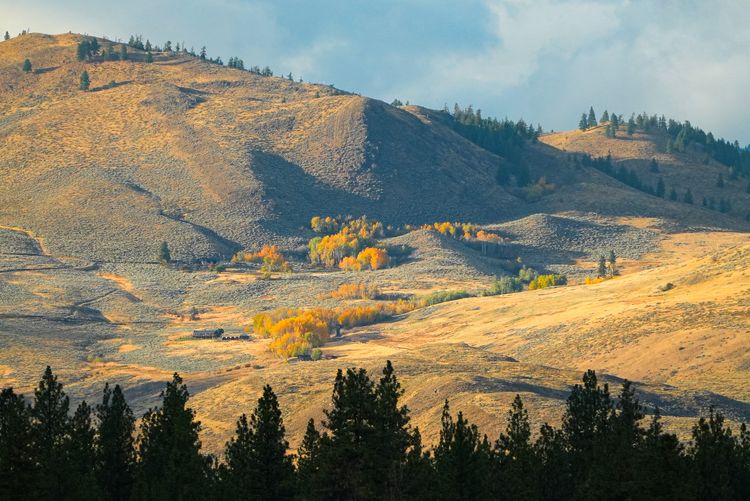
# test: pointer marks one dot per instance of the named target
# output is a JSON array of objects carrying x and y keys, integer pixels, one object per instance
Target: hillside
[{"x": 213, "y": 160}]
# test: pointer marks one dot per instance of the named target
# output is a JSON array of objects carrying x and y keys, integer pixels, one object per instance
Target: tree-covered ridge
[
  {"x": 505, "y": 138},
  {"x": 364, "y": 449},
  {"x": 680, "y": 136}
]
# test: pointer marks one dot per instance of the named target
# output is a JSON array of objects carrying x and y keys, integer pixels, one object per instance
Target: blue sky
[{"x": 543, "y": 60}]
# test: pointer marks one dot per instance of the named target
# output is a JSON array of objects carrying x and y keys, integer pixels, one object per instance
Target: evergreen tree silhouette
[
  {"x": 115, "y": 450},
  {"x": 18, "y": 472},
  {"x": 50, "y": 425},
  {"x": 171, "y": 466},
  {"x": 80, "y": 457}
]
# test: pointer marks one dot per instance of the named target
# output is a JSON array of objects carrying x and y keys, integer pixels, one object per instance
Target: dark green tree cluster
[
  {"x": 87, "y": 49},
  {"x": 26, "y": 66},
  {"x": 502, "y": 137},
  {"x": 236, "y": 62},
  {"x": 680, "y": 135},
  {"x": 366, "y": 450}
]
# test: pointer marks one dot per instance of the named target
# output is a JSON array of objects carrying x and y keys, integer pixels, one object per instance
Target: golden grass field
[{"x": 212, "y": 160}]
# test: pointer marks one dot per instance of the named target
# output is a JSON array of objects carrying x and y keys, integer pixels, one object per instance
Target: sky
[{"x": 545, "y": 61}]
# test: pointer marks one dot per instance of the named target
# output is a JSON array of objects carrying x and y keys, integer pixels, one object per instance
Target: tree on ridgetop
[
  {"x": 584, "y": 123},
  {"x": 27, "y": 66},
  {"x": 631, "y": 125},
  {"x": 85, "y": 82},
  {"x": 203, "y": 52},
  {"x": 605, "y": 117},
  {"x": 7, "y": 36},
  {"x": 592, "y": 118}
]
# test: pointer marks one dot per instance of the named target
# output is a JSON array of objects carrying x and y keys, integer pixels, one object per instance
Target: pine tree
[
  {"x": 720, "y": 181},
  {"x": 171, "y": 465},
  {"x": 149, "y": 57},
  {"x": 348, "y": 453},
  {"x": 660, "y": 188},
  {"x": 688, "y": 197},
  {"x": 80, "y": 457},
  {"x": 165, "y": 257},
  {"x": 26, "y": 66},
  {"x": 308, "y": 457},
  {"x": 84, "y": 83},
  {"x": 50, "y": 425},
  {"x": 592, "y": 118},
  {"x": 631, "y": 126},
  {"x": 612, "y": 263},
  {"x": 7, "y": 36},
  {"x": 673, "y": 194},
  {"x": 115, "y": 450},
  {"x": 257, "y": 464},
  {"x": 585, "y": 422},
  {"x": 148, "y": 47},
  {"x": 203, "y": 53},
  {"x": 583, "y": 124},
  {"x": 654, "y": 166},
  {"x": 123, "y": 52},
  {"x": 462, "y": 459},
  {"x": 392, "y": 437},
  {"x": 605, "y": 117},
  {"x": 517, "y": 468},
  {"x": 714, "y": 457},
  {"x": 18, "y": 475}
]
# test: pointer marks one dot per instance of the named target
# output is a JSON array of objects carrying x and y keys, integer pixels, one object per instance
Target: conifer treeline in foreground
[{"x": 365, "y": 450}]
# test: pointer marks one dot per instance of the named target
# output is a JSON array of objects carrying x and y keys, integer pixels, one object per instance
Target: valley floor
[{"x": 686, "y": 345}]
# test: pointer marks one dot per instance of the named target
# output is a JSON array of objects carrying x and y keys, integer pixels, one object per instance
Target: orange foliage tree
[
  {"x": 269, "y": 255},
  {"x": 373, "y": 258}
]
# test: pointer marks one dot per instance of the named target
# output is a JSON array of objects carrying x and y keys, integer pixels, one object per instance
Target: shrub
[
  {"x": 544, "y": 281},
  {"x": 316, "y": 354},
  {"x": 504, "y": 285},
  {"x": 440, "y": 297},
  {"x": 350, "y": 264},
  {"x": 594, "y": 280},
  {"x": 270, "y": 257},
  {"x": 355, "y": 291},
  {"x": 526, "y": 275}
]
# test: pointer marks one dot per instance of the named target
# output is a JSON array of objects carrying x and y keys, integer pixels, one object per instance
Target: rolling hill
[{"x": 213, "y": 160}]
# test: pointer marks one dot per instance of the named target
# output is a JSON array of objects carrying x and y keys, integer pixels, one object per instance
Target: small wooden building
[{"x": 208, "y": 333}]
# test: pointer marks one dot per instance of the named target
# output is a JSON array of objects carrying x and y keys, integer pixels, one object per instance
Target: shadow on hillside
[
  {"x": 111, "y": 85},
  {"x": 42, "y": 71},
  {"x": 298, "y": 195}
]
